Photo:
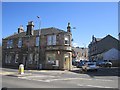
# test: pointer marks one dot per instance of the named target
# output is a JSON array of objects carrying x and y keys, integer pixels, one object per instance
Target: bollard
[{"x": 21, "y": 69}]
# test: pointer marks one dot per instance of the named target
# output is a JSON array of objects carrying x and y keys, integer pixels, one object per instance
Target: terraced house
[
  {"x": 107, "y": 48},
  {"x": 47, "y": 48}
]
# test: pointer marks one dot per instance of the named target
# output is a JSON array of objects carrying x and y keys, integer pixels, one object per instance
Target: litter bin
[
  {"x": 40, "y": 66},
  {"x": 21, "y": 69}
]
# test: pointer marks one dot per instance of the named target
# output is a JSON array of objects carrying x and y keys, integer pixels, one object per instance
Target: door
[{"x": 66, "y": 62}]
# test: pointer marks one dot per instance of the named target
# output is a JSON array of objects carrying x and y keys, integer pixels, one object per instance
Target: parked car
[
  {"x": 80, "y": 64},
  {"x": 75, "y": 62},
  {"x": 104, "y": 63},
  {"x": 89, "y": 66}
]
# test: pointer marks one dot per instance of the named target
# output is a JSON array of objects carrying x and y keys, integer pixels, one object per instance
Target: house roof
[
  {"x": 98, "y": 39},
  {"x": 44, "y": 31},
  {"x": 110, "y": 37},
  {"x": 80, "y": 49}
]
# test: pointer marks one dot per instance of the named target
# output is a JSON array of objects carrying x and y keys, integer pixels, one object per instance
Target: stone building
[
  {"x": 47, "y": 48},
  {"x": 104, "y": 48},
  {"x": 80, "y": 53}
]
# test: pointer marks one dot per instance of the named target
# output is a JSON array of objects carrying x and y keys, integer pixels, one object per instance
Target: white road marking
[
  {"x": 94, "y": 86},
  {"x": 43, "y": 78},
  {"x": 50, "y": 80},
  {"x": 7, "y": 73}
]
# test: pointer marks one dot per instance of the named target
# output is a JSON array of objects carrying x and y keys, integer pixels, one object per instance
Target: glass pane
[
  {"x": 49, "y": 40},
  {"x": 51, "y": 58},
  {"x": 66, "y": 39},
  {"x": 54, "y": 40},
  {"x": 16, "y": 58},
  {"x": 37, "y": 41},
  {"x": 20, "y": 42}
]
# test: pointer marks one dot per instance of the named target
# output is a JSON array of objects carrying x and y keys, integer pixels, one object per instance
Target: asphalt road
[{"x": 61, "y": 79}]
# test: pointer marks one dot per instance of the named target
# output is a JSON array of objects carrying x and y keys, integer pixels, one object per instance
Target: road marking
[
  {"x": 7, "y": 73},
  {"x": 94, "y": 86},
  {"x": 46, "y": 71},
  {"x": 76, "y": 78},
  {"x": 43, "y": 78}
]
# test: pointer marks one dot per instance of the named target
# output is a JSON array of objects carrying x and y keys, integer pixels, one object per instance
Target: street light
[
  {"x": 71, "y": 31},
  {"x": 39, "y": 33},
  {"x": 85, "y": 50},
  {"x": 39, "y": 23}
]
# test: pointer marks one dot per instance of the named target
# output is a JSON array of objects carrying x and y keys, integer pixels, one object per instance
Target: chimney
[
  {"x": 68, "y": 28},
  {"x": 93, "y": 37},
  {"x": 20, "y": 29},
  {"x": 30, "y": 28}
]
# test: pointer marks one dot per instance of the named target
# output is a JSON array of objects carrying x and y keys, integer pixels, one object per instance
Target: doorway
[{"x": 66, "y": 62}]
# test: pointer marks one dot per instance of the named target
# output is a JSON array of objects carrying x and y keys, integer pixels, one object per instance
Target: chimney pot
[{"x": 20, "y": 29}]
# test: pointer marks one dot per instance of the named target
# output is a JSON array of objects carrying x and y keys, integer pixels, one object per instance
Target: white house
[{"x": 112, "y": 54}]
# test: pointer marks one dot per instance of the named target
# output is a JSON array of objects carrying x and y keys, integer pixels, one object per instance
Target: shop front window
[
  {"x": 30, "y": 58},
  {"x": 51, "y": 59},
  {"x": 6, "y": 59},
  {"x": 36, "y": 58},
  {"x": 16, "y": 58}
]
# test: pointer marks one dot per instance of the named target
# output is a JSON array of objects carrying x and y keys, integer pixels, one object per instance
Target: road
[{"x": 60, "y": 79}]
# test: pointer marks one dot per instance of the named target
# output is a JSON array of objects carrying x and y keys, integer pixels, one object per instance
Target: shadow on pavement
[{"x": 114, "y": 71}]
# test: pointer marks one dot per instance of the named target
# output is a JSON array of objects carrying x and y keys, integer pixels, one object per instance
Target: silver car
[{"x": 89, "y": 66}]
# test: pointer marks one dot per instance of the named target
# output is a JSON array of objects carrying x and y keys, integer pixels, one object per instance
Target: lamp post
[
  {"x": 39, "y": 33},
  {"x": 85, "y": 50}
]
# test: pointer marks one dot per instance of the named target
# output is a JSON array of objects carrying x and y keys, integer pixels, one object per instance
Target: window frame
[
  {"x": 37, "y": 41},
  {"x": 20, "y": 43},
  {"x": 36, "y": 58},
  {"x": 16, "y": 58},
  {"x": 51, "y": 40},
  {"x": 50, "y": 58},
  {"x": 67, "y": 38},
  {"x": 10, "y": 43},
  {"x": 30, "y": 58}
]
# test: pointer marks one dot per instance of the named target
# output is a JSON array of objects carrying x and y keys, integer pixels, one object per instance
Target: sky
[{"x": 89, "y": 18}]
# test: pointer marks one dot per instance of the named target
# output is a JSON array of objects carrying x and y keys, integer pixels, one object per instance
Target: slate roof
[
  {"x": 44, "y": 31},
  {"x": 81, "y": 49},
  {"x": 98, "y": 39}
]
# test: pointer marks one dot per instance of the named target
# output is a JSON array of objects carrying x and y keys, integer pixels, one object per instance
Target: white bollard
[{"x": 21, "y": 69}]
